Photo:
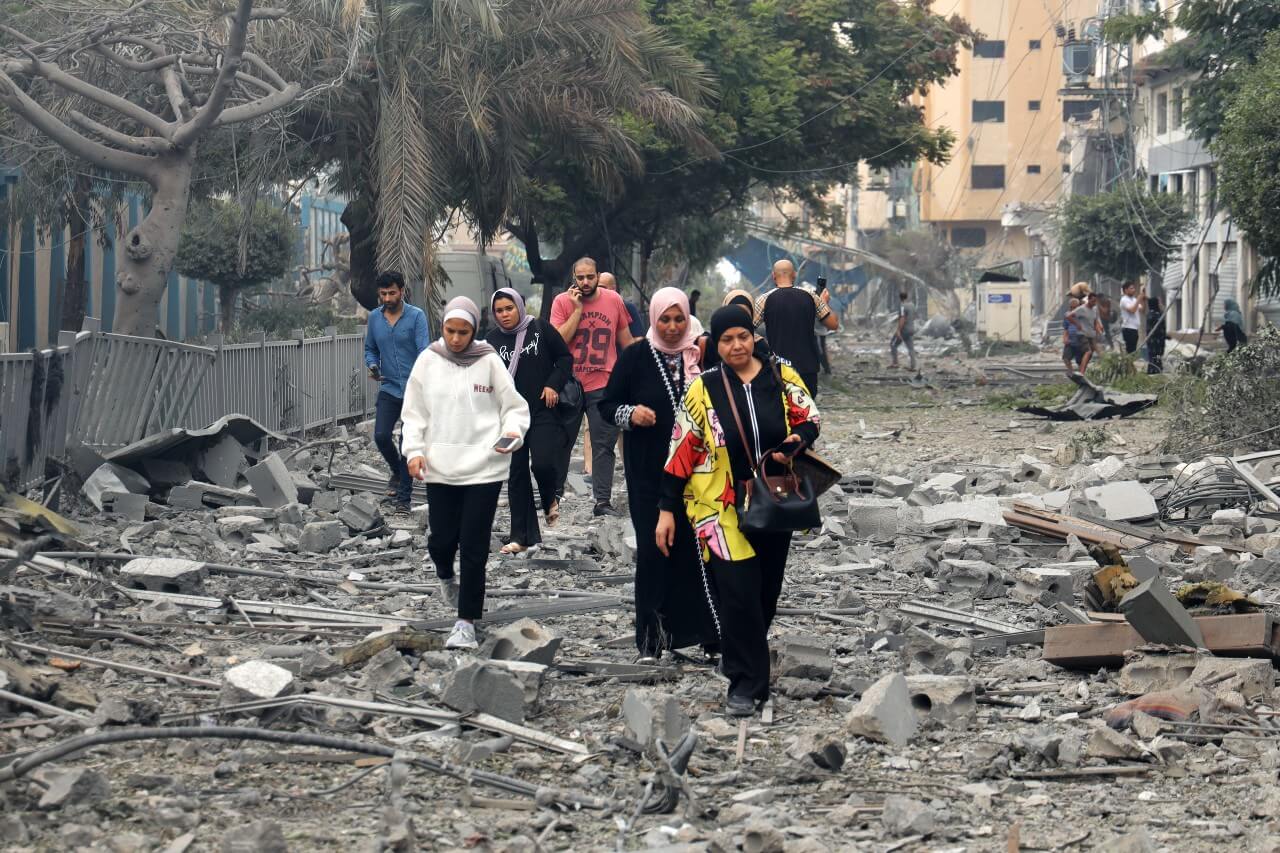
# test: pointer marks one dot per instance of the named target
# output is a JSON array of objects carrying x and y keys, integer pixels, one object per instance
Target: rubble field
[{"x": 1011, "y": 633}]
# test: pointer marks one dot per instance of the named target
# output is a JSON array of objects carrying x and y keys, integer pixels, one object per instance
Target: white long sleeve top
[{"x": 454, "y": 415}]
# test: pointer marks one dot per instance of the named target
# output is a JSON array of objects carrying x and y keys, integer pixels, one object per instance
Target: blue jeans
[{"x": 384, "y": 427}]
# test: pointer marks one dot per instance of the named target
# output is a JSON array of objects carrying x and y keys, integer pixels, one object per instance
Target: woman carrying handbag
[{"x": 716, "y": 470}]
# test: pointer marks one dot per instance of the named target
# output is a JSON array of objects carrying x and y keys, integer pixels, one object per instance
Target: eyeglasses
[{"x": 585, "y": 277}]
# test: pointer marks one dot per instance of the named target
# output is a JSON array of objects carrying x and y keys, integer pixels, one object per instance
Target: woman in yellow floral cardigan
[{"x": 707, "y": 461}]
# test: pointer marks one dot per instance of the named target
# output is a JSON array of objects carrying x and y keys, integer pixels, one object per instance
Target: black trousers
[
  {"x": 1155, "y": 356},
  {"x": 541, "y": 451},
  {"x": 811, "y": 382},
  {"x": 461, "y": 520},
  {"x": 748, "y": 591},
  {"x": 1234, "y": 336},
  {"x": 1130, "y": 340}
]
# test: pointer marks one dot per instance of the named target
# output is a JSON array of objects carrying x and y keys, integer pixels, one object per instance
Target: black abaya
[{"x": 672, "y": 609}]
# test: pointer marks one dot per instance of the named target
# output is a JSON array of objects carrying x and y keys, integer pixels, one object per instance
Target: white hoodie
[{"x": 454, "y": 415}]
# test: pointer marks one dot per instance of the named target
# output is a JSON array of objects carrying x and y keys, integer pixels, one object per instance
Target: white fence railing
[{"x": 107, "y": 391}]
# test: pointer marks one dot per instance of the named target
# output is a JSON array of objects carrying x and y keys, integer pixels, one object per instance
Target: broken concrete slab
[
  {"x": 481, "y": 686},
  {"x": 113, "y": 479},
  {"x": 385, "y": 670},
  {"x": 272, "y": 482},
  {"x": 905, "y": 816},
  {"x": 893, "y": 487},
  {"x": 164, "y": 574},
  {"x": 876, "y": 519},
  {"x": 922, "y": 649},
  {"x": 1109, "y": 744},
  {"x": 653, "y": 717},
  {"x": 222, "y": 462},
  {"x": 1150, "y": 673},
  {"x": 971, "y": 577},
  {"x": 1126, "y": 500},
  {"x": 1252, "y": 678},
  {"x": 820, "y": 750},
  {"x": 240, "y": 527},
  {"x": 256, "y": 679},
  {"x": 523, "y": 640},
  {"x": 948, "y": 700},
  {"x": 77, "y": 786},
  {"x": 260, "y": 836},
  {"x": 321, "y": 537},
  {"x": 797, "y": 656},
  {"x": 983, "y": 510},
  {"x": 884, "y": 713},
  {"x": 1043, "y": 585},
  {"x": 360, "y": 513},
  {"x": 125, "y": 505},
  {"x": 1159, "y": 617}
]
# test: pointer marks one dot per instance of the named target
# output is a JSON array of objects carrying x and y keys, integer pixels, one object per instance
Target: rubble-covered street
[{"x": 241, "y": 605}]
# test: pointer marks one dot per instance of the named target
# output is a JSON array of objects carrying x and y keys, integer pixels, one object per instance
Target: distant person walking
[
  {"x": 1232, "y": 327},
  {"x": 637, "y": 325},
  {"x": 1131, "y": 305},
  {"x": 709, "y": 459},
  {"x": 788, "y": 313},
  {"x": 593, "y": 322},
  {"x": 397, "y": 334},
  {"x": 1073, "y": 346},
  {"x": 463, "y": 417},
  {"x": 645, "y": 391},
  {"x": 904, "y": 333},
  {"x": 1087, "y": 323},
  {"x": 1156, "y": 335},
  {"x": 539, "y": 363}
]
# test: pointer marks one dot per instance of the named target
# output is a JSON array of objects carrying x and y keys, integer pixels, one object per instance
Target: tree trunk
[
  {"x": 364, "y": 251},
  {"x": 151, "y": 248},
  {"x": 227, "y": 305},
  {"x": 79, "y": 219}
]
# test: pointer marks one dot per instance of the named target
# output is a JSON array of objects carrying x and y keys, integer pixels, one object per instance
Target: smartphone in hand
[
  {"x": 375, "y": 374},
  {"x": 506, "y": 442}
]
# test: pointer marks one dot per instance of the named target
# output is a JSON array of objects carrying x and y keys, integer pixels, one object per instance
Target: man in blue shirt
[{"x": 397, "y": 335}]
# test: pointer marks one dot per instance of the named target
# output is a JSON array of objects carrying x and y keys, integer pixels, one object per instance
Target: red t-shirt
[{"x": 595, "y": 345}]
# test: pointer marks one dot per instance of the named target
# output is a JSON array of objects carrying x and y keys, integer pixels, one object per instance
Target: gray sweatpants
[
  {"x": 604, "y": 442},
  {"x": 907, "y": 341}
]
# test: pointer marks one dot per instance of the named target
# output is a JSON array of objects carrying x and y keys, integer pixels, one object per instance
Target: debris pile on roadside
[{"x": 224, "y": 632}]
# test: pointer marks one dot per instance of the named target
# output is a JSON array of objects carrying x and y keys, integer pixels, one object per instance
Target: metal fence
[{"x": 107, "y": 391}]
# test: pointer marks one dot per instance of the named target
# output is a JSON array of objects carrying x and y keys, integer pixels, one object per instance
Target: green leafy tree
[
  {"x": 1225, "y": 38},
  {"x": 1248, "y": 152},
  {"x": 1122, "y": 233},
  {"x": 223, "y": 246},
  {"x": 805, "y": 91}
]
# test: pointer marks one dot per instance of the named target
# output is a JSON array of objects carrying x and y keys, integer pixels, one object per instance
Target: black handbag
[
  {"x": 571, "y": 399},
  {"x": 783, "y": 503}
]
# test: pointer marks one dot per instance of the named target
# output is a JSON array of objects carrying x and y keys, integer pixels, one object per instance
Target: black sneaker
[
  {"x": 402, "y": 508},
  {"x": 740, "y": 706},
  {"x": 605, "y": 509}
]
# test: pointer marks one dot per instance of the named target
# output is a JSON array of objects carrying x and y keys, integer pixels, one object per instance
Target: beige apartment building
[{"x": 1008, "y": 115}]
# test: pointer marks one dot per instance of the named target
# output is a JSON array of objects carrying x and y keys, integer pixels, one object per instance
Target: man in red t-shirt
[{"x": 593, "y": 322}]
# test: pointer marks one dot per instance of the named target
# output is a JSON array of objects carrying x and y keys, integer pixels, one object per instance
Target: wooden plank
[{"x": 1104, "y": 644}]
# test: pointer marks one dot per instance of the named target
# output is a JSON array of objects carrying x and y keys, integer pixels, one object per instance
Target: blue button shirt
[{"x": 394, "y": 349}]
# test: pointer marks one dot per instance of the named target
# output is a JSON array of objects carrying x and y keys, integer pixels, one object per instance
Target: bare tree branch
[
  {"x": 73, "y": 84},
  {"x": 46, "y": 122},
  {"x": 144, "y": 145},
  {"x": 231, "y": 59},
  {"x": 258, "y": 108}
]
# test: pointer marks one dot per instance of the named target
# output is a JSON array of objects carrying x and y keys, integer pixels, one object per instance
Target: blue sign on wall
[{"x": 999, "y": 298}]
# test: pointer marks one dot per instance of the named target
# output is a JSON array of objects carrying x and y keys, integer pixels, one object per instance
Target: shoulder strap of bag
[{"x": 737, "y": 419}]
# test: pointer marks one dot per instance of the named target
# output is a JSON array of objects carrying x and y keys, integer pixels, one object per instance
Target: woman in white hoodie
[{"x": 462, "y": 419}]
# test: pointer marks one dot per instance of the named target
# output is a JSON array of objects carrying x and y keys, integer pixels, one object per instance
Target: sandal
[
  {"x": 513, "y": 548},
  {"x": 553, "y": 514}
]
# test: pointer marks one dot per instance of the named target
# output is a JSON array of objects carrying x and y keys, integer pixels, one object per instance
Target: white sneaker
[
  {"x": 463, "y": 636},
  {"x": 449, "y": 592}
]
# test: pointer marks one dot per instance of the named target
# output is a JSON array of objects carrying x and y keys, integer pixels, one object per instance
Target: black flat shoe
[{"x": 740, "y": 706}]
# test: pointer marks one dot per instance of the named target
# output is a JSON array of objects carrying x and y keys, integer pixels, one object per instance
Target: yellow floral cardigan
[{"x": 705, "y": 466}]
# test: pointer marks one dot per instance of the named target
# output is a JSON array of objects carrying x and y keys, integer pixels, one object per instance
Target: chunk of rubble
[
  {"x": 77, "y": 786},
  {"x": 983, "y": 510},
  {"x": 272, "y": 482},
  {"x": 256, "y": 679},
  {"x": 164, "y": 574},
  {"x": 114, "y": 480},
  {"x": 653, "y": 717},
  {"x": 482, "y": 686},
  {"x": 948, "y": 700},
  {"x": 820, "y": 750},
  {"x": 360, "y": 513},
  {"x": 260, "y": 836},
  {"x": 1045, "y": 586},
  {"x": 523, "y": 640},
  {"x": 905, "y": 816},
  {"x": 797, "y": 656},
  {"x": 876, "y": 519},
  {"x": 1158, "y": 617},
  {"x": 386, "y": 669},
  {"x": 1126, "y": 500},
  {"x": 884, "y": 713},
  {"x": 321, "y": 537},
  {"x": 971, "y": 577}
]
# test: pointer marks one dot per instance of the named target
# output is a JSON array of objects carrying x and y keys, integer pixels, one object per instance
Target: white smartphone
[{"x": 506, "y": 442}]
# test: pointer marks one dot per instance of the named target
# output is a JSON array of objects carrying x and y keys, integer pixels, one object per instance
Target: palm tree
[{"x": 444, "y": 104}]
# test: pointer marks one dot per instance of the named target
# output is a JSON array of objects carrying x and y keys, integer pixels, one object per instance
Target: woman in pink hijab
[{"x": 645, "y": 390}]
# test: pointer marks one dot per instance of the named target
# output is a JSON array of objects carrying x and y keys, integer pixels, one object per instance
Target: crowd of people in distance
[{"x": 476, "y": 414}]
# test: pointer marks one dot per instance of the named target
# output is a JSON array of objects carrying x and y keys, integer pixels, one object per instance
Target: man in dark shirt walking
[
  {"x": 788, "y": 313},
  {"x": 397, "y": 334}
]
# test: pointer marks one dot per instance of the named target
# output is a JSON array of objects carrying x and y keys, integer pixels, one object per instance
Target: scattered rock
[
  {"x": 905, "y": 816},
  {"x": 885, "y": 712},
  {"x": 76, "y": 786}
]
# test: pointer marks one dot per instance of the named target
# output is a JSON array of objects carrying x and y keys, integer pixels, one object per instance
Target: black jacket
[{"x": 545, "y": 363}]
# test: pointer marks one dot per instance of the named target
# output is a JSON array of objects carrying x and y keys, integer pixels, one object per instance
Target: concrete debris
[
  {"x": 164, "y": 574},
  {"x": 522, "y": 640},
  {"x": 111, "y": 479},
  {"x": 905, "y": 816},
  {"x": 976, "y": 510},
  {"x": 801, "y": 657},
  {"x": 256, "y": 679},
  {"x": 1126, "y": 500},
  {"x": 948, "y": 700},
  {"x": 487, "y": 688},
  {"x": 822, "y": 751},
  {"x": 652, "y": 717},
  {"x": 77, "y": 786},
  {"x": 1158, "y": 617},
  {"x": 360, "y": 513},
  {"x": 885, "y": 712},
  {"x": 1045, "y": 586},
  {"x": 1110, "y": 745},
  {"x": 321, "y": 537},
  {"x": 385, "y": 670},
  {"x": 971, "y": 577},
  {"x": 272, "y": 482},
  {"x": 260, "y": 836}
]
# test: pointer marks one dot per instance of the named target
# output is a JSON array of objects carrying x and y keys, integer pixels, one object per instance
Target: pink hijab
[{"x": 688, "y": 346}]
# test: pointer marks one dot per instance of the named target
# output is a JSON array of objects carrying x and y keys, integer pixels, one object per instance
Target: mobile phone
[
  {"x": 822, "y": 283},
  {"x": 375, "y": 374},
  {"x": 792, "y": 448},
  {"x": 506, "y": 442}
]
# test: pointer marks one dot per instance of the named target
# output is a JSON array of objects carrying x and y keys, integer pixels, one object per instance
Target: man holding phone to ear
[{"x": 397, "y": 334}]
